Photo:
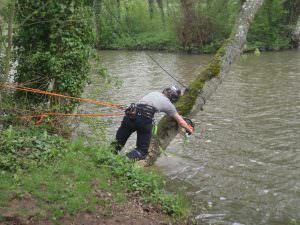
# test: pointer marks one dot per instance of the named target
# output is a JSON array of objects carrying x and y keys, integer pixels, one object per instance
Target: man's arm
[{"x": 181, "y": 122}]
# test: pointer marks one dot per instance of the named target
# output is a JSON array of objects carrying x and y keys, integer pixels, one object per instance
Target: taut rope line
[{"x": 33, "y": 90}]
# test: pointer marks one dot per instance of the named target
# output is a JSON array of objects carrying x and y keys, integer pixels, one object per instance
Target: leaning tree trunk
[{"x": 207, "y": 81}]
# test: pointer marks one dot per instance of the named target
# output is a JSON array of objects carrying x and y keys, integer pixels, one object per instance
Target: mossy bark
[{"x": 207, "y": 80}]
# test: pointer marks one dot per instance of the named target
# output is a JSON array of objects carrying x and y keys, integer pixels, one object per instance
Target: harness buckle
[{"x": 131, "y": 111}]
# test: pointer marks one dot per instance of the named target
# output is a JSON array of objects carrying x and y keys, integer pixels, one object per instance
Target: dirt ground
[{"x": 25, "y": 211}]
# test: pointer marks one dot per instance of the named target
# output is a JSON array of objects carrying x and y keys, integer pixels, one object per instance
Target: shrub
[
  {"x": 22, "y": 149},
  {"x": 52, "y": 45}
]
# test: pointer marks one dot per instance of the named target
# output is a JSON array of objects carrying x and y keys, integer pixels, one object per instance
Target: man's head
[{"x": 173, "y": 93}]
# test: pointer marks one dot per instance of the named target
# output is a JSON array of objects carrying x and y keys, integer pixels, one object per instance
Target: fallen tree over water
[{"x": 207, "y": 80}]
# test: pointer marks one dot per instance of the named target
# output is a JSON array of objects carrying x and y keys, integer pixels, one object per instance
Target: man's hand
[{"x": 181, "y": 121}]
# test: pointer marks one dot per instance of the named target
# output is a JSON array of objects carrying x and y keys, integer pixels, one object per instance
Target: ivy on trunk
[{"x": 52, "y": 47}]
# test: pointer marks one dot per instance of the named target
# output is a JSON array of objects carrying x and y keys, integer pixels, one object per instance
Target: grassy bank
[{"x": 45, "y": 179}]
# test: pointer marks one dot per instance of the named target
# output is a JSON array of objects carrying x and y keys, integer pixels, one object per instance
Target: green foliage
[
  {"x": 53, "y": 44},
  {"x": 269, "y": 30},
  {"x": 130, "y": 26},
  {"x": 146, "y": 183},
  {"x": 127, "y": 27},
  {"x": 203, "y": 29},
  {"x": 147, "y": 41},
  {"x": 23, "y": 149}
]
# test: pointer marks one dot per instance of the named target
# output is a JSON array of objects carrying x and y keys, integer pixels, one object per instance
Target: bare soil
[{"x": 25, "y": 211}]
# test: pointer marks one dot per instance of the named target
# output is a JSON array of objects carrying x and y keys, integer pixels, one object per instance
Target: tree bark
[
  {"x": 296, "y": 33},
  {"x": 162, "y": 13},
  {"x": 207, "y": 81},
  {"x": 9, "y": 40},
  {"x": 186, "y": 28},
  {"x": 151, "y": 8},
  {"x": 119, "y": 9},
  {"x": 1, "y": 33}
]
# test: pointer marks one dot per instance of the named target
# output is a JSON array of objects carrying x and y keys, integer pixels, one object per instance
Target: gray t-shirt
[{"x": 160, "y": 102}]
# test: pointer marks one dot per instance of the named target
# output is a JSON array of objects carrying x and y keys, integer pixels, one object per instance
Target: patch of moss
[{"x": 186, "y": 102}]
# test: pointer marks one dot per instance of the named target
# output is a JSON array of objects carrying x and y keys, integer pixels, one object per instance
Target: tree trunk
[
  {"x": 168, "y": 7},
  {"x": 97, "y": 15},
  {"x": 296, "y": 34},
  {"x": 162, "y": 13},
  {"x": 207, "y": 81},
  {"x": 9, "y": 40},
  {"x": 119, "y": 9},
  {"x": 151, "y": 8},
  {"x": 1, "y": 33},
  {"x": 188, "y": 28}
]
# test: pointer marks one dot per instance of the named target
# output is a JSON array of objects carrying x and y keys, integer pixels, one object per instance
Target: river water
[{"x": 242, "y": 166}]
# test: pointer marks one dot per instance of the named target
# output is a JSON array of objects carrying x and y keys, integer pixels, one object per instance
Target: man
[{"x": 139, "y": 118}]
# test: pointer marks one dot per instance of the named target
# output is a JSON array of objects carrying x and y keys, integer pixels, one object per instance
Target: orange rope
[
  {"x": 95, "y": 102},
  {"x": 42, "y": 116}
]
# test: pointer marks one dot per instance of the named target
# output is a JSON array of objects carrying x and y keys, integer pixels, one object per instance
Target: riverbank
[
  {"x": 166, "y": 42},
  {"x": 159, "y": 41},
  {"x": 46, "y": 179}
]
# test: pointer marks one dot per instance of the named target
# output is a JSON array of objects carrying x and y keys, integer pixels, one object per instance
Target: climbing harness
[
  {"x": 145, "y": 110},
  {"x": 131, "y": 111},
  {"x": 135, "y": 110}
]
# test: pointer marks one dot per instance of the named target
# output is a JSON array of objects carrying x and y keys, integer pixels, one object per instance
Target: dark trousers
[{"x": 142, "y": 125}]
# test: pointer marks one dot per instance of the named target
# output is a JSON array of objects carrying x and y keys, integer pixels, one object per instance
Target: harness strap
[{"x": 145, "y": 110}]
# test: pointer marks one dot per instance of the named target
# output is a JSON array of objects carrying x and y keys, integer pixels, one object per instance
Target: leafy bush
[
  {"x": 22, "y": 149},
  {"x": 269, "y": 30},
  {"x": 52, "y": 46}
]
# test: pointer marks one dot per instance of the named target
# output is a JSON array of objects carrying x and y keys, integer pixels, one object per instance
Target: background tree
[
  {"x": 274, "y": 24},
  {"x": 194, "y": 29},
  {"x": 97, "y": 5},
  {"x": 7, "y": 10},
  {"x": 151, "y": 8},
  {"x": 10, "y": 22},
  {"x": 53, "y": 46},
  {"x": 160, "y": 4},
  {"x": 293, "y": 20}
]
